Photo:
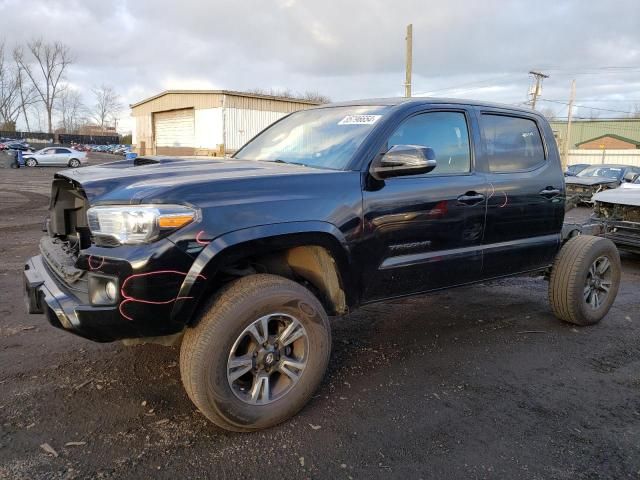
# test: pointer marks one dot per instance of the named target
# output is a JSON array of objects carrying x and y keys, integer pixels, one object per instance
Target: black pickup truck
[{"x": 242, "y": 259}]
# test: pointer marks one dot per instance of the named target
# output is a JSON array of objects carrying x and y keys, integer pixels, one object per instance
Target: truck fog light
[
  {"x": 111, "y": 290},
  {"x": 103, "y": 289}
]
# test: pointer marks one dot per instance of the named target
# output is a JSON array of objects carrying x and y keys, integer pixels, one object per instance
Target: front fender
[{"x": 253, "y": 241}]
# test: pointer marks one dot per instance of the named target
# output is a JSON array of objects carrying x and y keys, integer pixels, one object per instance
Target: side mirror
[
  {"x": 403, "y": 160},
  {"x": 631, "y": 177}
]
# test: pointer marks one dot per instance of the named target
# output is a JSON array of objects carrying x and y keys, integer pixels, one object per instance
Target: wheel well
[{"x": 313, "y": 266}]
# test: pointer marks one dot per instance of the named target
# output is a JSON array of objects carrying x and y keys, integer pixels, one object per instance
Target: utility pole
[
  {"x": 565, "y": 146},
  {"x": 409, "y": 61},
  {"x": 538, "y": 88}
]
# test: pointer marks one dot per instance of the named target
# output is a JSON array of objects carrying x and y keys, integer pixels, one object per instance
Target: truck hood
[
  {"x": 131, "y": 181},
  {"x": 627, "y": 194},
  {"x": 588, "y": 181}
]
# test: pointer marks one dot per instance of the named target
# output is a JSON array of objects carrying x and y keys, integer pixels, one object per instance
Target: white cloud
[{"x": 344, "y": 49}]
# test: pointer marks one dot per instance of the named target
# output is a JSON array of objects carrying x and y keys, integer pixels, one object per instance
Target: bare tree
[
  {"x": 71, "y": 109},
  {"x": 107, "y": 105},
  {"x": 9, "y": 93},
  {"x": 286, "y": 93},
  {"x": 28, "y": 94},
  {"x": 316, "y": 97},
  {"x": 45, "y": 69},
  {"x": 549, "y": 113}
]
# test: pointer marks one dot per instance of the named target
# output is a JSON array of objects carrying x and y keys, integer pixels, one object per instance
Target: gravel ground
[{"x": 477, "y": 382}]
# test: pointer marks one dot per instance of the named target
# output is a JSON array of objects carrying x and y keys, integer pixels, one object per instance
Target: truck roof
[{"x": 395, "y": 101}]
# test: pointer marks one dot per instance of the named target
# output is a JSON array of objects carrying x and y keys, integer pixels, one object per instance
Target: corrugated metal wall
[
  {"x": 587, "y": 129},
  {"x": 242, "y": 125},
  {"x": 244, "y": 116}
]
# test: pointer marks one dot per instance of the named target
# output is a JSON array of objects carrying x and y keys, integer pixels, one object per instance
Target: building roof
[
  {"x": 225, "y": 92},
  {"x": 610, "y": 135}
]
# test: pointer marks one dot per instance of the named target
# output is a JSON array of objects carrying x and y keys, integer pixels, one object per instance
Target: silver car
[{"x": 55, "y": 156}]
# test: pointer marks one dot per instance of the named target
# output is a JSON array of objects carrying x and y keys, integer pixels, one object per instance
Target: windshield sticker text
[{"x": 359, "y": 120}]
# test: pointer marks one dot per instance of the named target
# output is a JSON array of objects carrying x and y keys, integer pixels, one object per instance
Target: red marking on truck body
[
  {"x": 131, "y": 299},
  {"x": 199, "y": 241}
]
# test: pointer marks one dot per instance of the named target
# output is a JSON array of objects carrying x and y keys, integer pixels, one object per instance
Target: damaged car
[
  {"x": 619, "y": 211},
  {"x": 582, "y": 186}
]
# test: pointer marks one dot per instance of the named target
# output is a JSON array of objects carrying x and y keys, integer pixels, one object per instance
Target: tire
[
  {"x": 74, "y": 163},
  {"x": 209, "y": 348},
  {"x": 581, "y": 291},
  {"x": 31, "y": 162}
]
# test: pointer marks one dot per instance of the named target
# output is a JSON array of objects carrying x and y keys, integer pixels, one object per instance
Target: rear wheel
[
  {"x": 74, "y": 163},
  {"x": 257, "y": 354},
  {"x": 584, "y": 280},
  {"x": 31, "y": 162}
]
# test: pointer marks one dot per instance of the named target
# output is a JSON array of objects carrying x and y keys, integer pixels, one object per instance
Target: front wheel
[
  {"x": 257, "y": 354},
  {"x": 31, "y": 162},
  {"x": 584, "y": 280},
  {"x": 74, "y": 163}
]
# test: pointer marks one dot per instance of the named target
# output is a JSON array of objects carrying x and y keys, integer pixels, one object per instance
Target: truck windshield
[
  {"x": 323, "y": 137},
  {"x": 608, "y": 172}
]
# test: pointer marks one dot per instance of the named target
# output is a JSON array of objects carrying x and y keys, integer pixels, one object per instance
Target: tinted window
[
  {"x": 62, "y": 150},
  {"x": 445, "y": 132},
  {"x": 512, "y": 143}
]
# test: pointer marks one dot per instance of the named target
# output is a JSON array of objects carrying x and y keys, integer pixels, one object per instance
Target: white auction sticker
[{"x": 359, "y": 120}]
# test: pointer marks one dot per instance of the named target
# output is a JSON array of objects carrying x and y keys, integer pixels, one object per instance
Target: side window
[
  {"x": 445, "y": 132},
  {"x": 62, "y": 150},
  {"x": 513, "y": 144},
  {"x": 49, "y": 151}
]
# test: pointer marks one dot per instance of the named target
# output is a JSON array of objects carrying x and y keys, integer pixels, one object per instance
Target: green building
[{"x": 582, "y": 131}]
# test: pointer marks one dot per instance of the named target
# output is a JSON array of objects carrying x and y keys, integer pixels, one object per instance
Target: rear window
[{"x": 512, "y": 144}]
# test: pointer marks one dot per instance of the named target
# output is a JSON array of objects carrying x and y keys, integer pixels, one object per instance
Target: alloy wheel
[
  {"x": 268, "y": 359},
  {"x": 598, "y": 282}
]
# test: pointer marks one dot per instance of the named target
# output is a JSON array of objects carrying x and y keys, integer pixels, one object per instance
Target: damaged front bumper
[
  {"x": 70, "y": 310},
  {"x": 626, "y": 235}
]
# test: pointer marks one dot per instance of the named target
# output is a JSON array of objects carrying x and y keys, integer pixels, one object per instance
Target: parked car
[
  {"x": 596, "y": 178},
  {"x": 56, "y": 156},
  {"x": 573, "y": 170},
  {"x": 23, "y": 147},
  {"x": 619, "y": 210},
  {"x": 243, "y": 259}
]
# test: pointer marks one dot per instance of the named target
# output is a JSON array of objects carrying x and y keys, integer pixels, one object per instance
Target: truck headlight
[{"x": 134, "y": 224}]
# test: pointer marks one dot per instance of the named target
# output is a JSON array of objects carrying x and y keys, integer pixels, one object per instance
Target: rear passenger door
[{"x": 525, "y": 207}]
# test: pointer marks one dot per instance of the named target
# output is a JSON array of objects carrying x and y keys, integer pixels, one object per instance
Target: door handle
[
  {"x": 471, "y": 198},
  {"x": 550, "y": 192}
]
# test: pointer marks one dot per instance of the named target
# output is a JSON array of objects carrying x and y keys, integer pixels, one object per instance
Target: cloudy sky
[{"x": 347, "y": 49}]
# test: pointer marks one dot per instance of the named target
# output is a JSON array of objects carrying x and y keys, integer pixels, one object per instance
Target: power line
[
  {"x": 586, "y": 106},
  {"x": 483, "y": 82}
]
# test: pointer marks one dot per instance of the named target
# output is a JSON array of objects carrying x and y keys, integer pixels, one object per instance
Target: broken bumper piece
[{"x": 71, "y": 310}]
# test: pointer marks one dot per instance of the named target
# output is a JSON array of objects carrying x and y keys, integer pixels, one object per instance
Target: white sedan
[{"x": 55, "y": 156}]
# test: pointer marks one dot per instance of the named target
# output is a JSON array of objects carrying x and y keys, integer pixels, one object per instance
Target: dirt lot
[{"x": 479, "y": 382}]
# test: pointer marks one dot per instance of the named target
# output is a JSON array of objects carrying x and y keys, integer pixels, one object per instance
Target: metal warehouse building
[{"x": 204, "y": 122}]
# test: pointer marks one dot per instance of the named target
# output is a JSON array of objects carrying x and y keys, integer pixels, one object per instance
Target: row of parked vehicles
[
  {"x": 73, "y": 156},
  {"x": 116, "y": 149},
  {"x": 614, "y": 193},
  {"x": 13, "y": 144}
]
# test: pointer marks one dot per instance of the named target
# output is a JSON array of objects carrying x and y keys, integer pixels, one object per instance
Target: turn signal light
[{"x": 174, "y": 221}]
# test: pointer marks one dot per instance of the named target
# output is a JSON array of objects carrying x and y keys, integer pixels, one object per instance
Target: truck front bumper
[{"x": 70, "y": 311}]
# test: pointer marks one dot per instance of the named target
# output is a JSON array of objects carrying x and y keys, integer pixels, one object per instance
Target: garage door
[{"x": 174, "y": 129}]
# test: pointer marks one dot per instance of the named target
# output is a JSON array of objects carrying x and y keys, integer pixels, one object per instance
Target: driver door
[{"x": 424, "y": 232}]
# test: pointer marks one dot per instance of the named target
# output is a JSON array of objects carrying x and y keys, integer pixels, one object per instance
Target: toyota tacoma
[{"x": 241, "y": 260}]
